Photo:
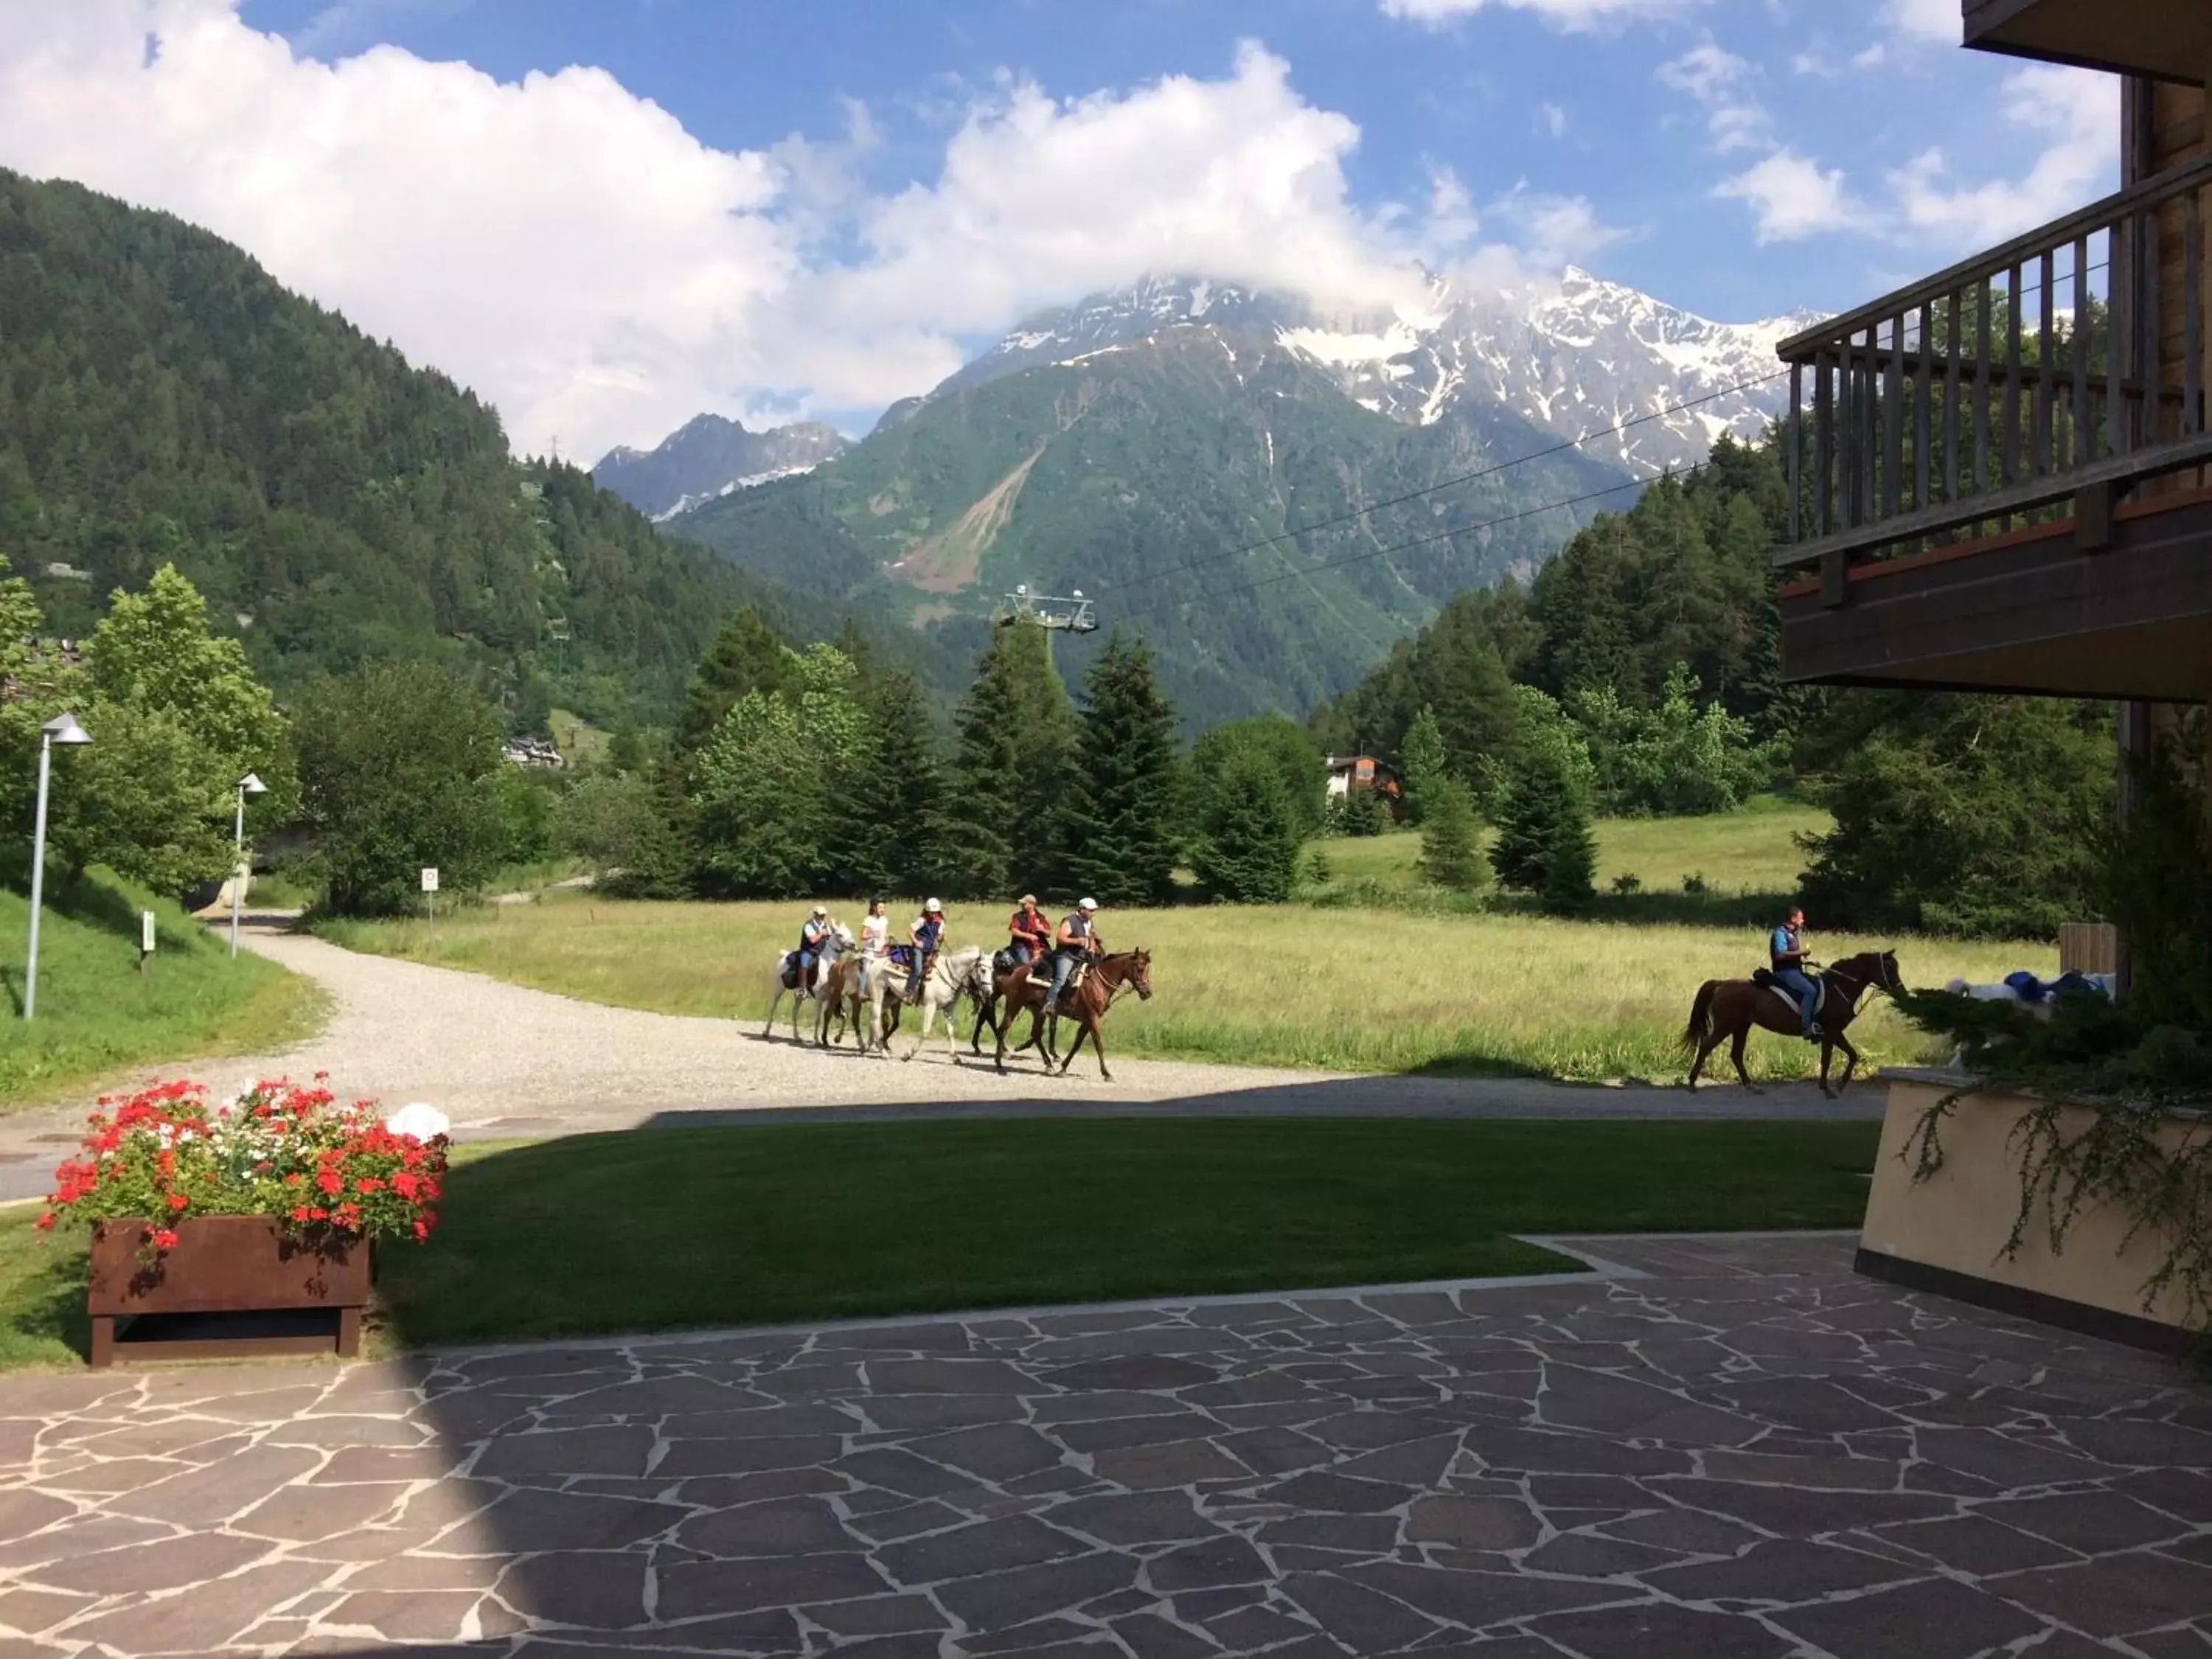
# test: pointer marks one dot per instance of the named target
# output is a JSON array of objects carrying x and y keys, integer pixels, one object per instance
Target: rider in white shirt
[{"x": 875, "y": 940}]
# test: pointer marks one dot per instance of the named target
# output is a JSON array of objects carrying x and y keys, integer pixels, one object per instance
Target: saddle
[
  {"x": 1764, "y": 978},
  {"x": 791, "y": 973},
  {"x": 1074, "y": 984}
]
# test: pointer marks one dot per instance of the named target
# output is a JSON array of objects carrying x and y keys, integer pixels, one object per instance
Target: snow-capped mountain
[
  {"x": 1572, "y": 356},
  {"x": 709, "y": 457}
]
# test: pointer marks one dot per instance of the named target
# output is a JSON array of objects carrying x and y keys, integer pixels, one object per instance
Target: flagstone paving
[{"x": 1731, "y": 1448}]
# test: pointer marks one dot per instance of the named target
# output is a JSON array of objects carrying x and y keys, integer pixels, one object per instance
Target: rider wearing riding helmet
[
  {"x": 1077, "y": 941},
  {"x": 816, "y": 930},
  {"x": 1030, "y": 935},
  {"x": 926, "y": 935}
]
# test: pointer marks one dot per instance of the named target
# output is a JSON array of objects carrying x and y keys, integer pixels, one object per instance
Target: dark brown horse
[
  {"x": 1729, "y": 1008},
  {"x": 1086, "y": 1004}
]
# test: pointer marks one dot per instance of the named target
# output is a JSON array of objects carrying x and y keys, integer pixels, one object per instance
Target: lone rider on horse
[
  {"x": 810, "y": 935},
  {"x": 1789, "y": 960},
  {"x": 1029, "y": 935},
  {"x": 1077, "y": 941},
  {"x": 927, "y": 934}
]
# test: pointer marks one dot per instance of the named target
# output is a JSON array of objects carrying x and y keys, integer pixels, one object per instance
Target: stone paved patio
[{"x": 1747, "y": 1452}]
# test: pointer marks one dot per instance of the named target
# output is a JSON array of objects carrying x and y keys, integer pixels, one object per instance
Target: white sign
[
  {"x": 430, "y": 880},
  {"x": 146, "y": 931}
]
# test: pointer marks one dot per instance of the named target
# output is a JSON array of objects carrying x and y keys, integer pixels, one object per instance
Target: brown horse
[
  {"x": 838, "y": 994},
  {"x": 1729, "y": 1008},
  {"x": 1106, "y": 979}
]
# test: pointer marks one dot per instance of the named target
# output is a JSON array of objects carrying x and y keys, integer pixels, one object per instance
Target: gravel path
[{"x": 506, "y": 1060}]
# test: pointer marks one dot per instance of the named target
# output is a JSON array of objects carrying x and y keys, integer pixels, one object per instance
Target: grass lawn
[
  {"x": 669, "y": 1229},
  {"x": 98, "y": 1014},
  {"x": 1748, "y": 853},
  {"x": 1351, "y": 990}
]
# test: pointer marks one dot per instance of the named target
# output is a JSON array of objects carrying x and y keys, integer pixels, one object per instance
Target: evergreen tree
[
  {"x": 1122, "y": 839},
  {"x": 1249, "y": 838},
  {"x": 889, "y": 830},
  {"x": 745, "y": 657},
  {"x": 1450, "y": 855},
  {"x": 1284, "y": 745},
  {"x": 1421, "y": 765},
  {"x": 1542, "y": 806},
  {"x": 1014, "y": 766},
  {"x": 1569, "y": 855}
]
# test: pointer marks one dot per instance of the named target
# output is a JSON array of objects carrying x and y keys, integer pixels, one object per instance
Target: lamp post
[
  {"x": 248, "y": 785},
  {"x": 63, "y": 729}
]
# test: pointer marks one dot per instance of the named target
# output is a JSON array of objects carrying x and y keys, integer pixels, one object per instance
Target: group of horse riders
[{"x": 1030, "y": 938}]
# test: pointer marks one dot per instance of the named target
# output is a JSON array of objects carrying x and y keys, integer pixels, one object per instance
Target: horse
[
  {"x": 838, "y": 992},
  {"x": 1729, "y": 1008},
  {"x": 987, "y": 1007},
  {"x": 952, "y": 976},
  {"x": 835, "y": 944},
  {"x": 1106, "y": 979}
]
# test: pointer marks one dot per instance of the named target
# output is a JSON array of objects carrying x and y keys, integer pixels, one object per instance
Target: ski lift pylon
[{"x": 1072, "y": 613}]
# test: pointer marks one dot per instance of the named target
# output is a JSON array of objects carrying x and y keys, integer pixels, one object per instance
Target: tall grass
[
  {"x": 97, "y": 1014},
  {"x": 1380, "y": 990}
]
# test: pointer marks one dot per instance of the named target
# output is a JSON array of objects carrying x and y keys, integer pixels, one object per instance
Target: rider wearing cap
[
  {"x": 1028, "y": 934},
  {"x": 1077, "y": 941},
  {"x": 926, "y": 935},
  {"x": 810, "y": 943}
]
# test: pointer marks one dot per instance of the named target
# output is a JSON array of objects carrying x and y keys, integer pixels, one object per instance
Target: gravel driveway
[{"x": 507, "y": 1061}]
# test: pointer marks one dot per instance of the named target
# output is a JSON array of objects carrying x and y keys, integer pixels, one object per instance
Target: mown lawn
[
  {"x": 671, "y": 1229},
  {"x": 98, "y": 1014}
]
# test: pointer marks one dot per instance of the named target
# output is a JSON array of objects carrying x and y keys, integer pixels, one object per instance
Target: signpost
[
  {"x": 145, "y": 939},
  {"x": 431, "y": 891}
]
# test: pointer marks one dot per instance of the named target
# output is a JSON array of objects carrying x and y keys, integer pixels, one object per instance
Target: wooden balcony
[
  {"x": 2158, "y": 39},
  {"x": 1997, "y": 474}
]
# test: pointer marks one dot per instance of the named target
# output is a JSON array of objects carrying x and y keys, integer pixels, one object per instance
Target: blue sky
[{"x": 606, "y": 213}]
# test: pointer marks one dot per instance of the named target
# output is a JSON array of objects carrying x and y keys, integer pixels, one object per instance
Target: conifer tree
[
  {"x": 1450, "y": 856},
  {"x": 1122, "y": 839},
  {"x": 1011, "y": 772},
  {"x": 1248, "y": 831},
  {"x": 889, "y": 833},
  {"x": 1421, "y": 765},
  {"x": 745, "y": 657}
]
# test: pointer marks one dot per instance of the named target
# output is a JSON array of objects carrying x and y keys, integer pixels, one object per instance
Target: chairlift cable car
[{"x": 1073, "y": 613}]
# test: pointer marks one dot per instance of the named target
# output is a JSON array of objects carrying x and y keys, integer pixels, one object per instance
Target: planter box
[
  {"x": 1948, "y": 1234},
  {"x": 224, "y": 1265}
]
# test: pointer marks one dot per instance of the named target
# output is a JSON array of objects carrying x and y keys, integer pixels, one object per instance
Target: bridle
[{"x": 1884, "y": 978}]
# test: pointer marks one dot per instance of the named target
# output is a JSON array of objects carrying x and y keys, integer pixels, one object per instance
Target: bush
[
  {"x": 1357, "y": 812},
  {"x": 1675, "y": 759}
]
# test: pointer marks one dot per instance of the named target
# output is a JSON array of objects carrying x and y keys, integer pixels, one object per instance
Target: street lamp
[
  {"x": 248, "y": 785},
  {"x": 63, "y": 729}
]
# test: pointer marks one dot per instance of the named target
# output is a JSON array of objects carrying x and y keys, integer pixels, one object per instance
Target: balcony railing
[{"x": 2044, "y": 377}]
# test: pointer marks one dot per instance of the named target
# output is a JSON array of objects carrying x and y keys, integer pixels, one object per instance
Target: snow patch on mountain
[
  {"x": 709, "y": 457},
  {"x": 685, "y": 503}
]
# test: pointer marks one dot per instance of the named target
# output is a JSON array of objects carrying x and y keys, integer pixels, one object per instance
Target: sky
[{"x": 607, "y": 216}]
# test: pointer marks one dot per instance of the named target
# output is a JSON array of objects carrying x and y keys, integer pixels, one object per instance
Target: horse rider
[
  {"x": 1028, "y": 934},
  {"x": 1789, "y": 960},
  {"x": 1076, "y": 941},
  {"x": 875, "y": 941},
  {"x": 926, "y": 935},
  {"x": 810, "y": 937}
]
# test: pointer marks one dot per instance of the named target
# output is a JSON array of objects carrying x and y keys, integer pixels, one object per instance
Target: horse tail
[{"x": 1701, "y": 1016}]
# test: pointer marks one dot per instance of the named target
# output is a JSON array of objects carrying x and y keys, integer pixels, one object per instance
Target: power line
[{"x": 1494, "y": 468}]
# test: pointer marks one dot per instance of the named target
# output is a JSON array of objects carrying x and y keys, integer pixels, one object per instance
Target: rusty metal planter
[{"x": 224, "y": 1265}]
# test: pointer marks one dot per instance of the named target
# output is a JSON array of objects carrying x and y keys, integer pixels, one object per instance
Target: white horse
[
  {"x": 835, "y": 944},
  {"x": 954, "y": 975}
]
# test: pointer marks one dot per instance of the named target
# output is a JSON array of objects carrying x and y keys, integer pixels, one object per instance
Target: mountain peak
[{"x": 712, "y": 455}]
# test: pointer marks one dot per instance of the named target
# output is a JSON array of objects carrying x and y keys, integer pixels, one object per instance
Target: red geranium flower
[
  {"x": 164, "y": 1239},
  {"x": 179, "y": 1202}
]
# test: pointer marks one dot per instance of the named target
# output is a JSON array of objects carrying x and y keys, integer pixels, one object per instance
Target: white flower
[{"x": 423, "y": 1122}]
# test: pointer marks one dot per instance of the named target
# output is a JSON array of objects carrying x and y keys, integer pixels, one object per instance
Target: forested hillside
[
  {"x": 1165, "y": 478},
  {"x": 163, "y": 400}
]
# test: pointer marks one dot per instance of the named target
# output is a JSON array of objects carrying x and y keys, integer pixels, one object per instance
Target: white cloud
[
  {"x": 1553, "y": 118},
  {"x": 1571, "y": 14},
  {"x": 1555, "y": 230},
  {"x": 1720, "y": 81},
  {"x": 1792, "y": 198},
  {"x": 2077, "y": 110},
  {"x": 569, "y": 250},
  {"x": 1933, "y": 21}
]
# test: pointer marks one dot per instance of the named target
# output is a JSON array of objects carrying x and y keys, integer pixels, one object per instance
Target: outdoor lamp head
[
  {"x": 251, "y": 785},
  {"x": 63, "y": 728}
]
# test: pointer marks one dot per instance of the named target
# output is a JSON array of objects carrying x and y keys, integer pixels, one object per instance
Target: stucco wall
[{"x": 1959, "y": 1218}]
